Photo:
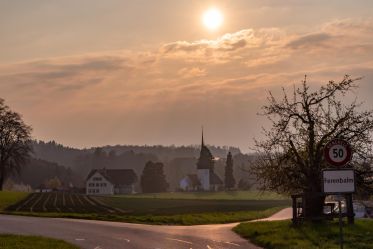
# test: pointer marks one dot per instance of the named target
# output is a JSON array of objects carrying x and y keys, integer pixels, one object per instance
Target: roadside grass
[
  {"x": 283, "y": 235},
  {"x": 8, "y": 241},
  {"x": 145, "y": 210},
  {"x": 223, "y": 195},
  {"x": 8, "y": 198},
  {"x": 156, "y": 219},
  {"x": 138, "y": 206}
]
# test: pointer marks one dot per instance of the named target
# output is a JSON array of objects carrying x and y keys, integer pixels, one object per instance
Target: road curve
[
  {"x": 114, "y": 235},
  {"x": 92, "y": 234}
]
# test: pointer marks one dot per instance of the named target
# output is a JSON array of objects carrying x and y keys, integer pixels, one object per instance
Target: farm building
[{"x": 111, "y": 181}]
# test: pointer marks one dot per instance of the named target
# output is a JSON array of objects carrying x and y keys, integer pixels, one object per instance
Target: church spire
[{"x": 203, "y": 142}]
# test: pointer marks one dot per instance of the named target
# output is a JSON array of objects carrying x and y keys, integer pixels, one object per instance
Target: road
[{"x": 91, "y": 234}]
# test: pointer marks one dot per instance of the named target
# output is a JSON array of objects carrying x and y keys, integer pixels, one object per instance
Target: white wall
[
  {"x": 204, "y": 178},
  {"x": 184, "y": 183},
  {"x": 98, "y": 185}
]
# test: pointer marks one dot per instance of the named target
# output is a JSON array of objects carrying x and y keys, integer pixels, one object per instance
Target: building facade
[{"x": 110, "y": 182}]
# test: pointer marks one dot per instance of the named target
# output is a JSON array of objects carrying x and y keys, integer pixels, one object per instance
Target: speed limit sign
[{"x": 337, "y": 152}]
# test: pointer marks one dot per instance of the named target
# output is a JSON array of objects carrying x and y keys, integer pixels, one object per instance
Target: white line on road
[
  {"x": 226, "y": 242},
  {"x": 79, "y": 239},
  {"x": 97, "y": 247},
  {"x": 209, "y": 247},
  {"x": 231, "y": 243},
  {"x": 182, "y": 241},
  {"x": 127, "y": 240}
]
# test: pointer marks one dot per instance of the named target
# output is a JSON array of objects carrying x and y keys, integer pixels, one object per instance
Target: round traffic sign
[{"x": 338, "y": 152}]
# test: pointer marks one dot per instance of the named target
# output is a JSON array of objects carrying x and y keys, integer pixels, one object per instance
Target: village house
[{"x": 111, "y": 181}]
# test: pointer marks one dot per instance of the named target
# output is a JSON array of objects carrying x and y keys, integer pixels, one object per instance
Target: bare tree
[
  {"x": 15, "y": 145},
  {"x": 290, "y": 158}
]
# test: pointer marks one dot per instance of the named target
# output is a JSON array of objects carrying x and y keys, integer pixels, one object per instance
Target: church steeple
[{"x": 205, "y": 160}]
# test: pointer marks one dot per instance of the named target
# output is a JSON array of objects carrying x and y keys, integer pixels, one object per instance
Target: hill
[{"x": 178, "y": 161}]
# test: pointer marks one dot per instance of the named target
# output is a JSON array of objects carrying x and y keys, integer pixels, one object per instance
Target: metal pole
[{"x": 340, "y": 224}]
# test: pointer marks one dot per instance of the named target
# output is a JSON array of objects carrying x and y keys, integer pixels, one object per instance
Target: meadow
[
  {"x": 283, "y": 235},
  {"x": 8, "y": 198},
  {"x": 153, "y": 209},
  {"x": 223, "y": 195},
  {"x": 8, "y": 241}
]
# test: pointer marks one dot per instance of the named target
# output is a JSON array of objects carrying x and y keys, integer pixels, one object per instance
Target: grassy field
[
  {"x": 153, "y": 210},
  {"x": 10, "y": 198},
  {"x": 32, "y": 242},
  {"x": 230, "y": 195},
  {"x": 281, "y": 235}
]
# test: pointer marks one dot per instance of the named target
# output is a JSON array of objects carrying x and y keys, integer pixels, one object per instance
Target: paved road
[{"x": 114, "y": 235}]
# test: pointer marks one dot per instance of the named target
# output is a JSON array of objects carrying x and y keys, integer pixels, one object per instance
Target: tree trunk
[
  {"x": 1, "y": 183},
  {"x": 2, "y": 176},
  {"x": 314, "y": 205}
]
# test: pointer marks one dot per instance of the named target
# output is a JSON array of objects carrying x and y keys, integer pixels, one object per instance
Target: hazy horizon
[{"x": 95, "y": 73}]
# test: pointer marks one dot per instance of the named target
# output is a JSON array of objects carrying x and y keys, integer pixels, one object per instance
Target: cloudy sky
[{"x": 90, "y": 72}]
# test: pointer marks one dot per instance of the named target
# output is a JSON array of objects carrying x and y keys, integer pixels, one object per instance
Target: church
[{"x": 205, "y": 179}]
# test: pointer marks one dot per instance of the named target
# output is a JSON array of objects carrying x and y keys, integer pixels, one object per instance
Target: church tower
[
  {"x": 205, "y": 166},
  {"x": 205, "y": 160}
]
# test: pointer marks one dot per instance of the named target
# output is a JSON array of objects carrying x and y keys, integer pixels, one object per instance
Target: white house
[{"x": 110, "y": 181}]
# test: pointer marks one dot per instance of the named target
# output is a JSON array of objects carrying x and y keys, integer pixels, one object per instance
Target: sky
[{"x": 90, "y": 73}]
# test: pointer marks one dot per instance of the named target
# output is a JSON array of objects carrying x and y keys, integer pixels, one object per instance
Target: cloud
[
  {"x": 319, "y": 40},
  {"x": 127, "y": 96},
  {"x": 228, "y": 42},
  {"x": 191, "y": 72}
]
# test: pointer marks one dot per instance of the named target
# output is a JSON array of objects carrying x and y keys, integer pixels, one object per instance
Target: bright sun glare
[{"x": 212, "y": 19}]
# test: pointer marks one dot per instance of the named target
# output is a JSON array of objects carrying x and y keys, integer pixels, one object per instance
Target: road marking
[
  {"x": 226, "y": 242},
  {"x": 97, "y": 247},
  {"x": 231, "y": 243},
  {"x": 209, "y": 247},
  {"x": 127, "y": 240},
  {"x": 182, "y": 241},
  {"x": 79, "y": 239}
]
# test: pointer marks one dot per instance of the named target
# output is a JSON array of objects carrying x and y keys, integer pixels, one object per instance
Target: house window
[{"x": 97, "y": 178}]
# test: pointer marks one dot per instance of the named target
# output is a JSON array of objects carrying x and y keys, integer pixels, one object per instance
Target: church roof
[{"x": 205, "y": 160}]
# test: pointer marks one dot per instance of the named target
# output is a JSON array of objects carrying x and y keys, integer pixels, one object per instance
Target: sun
[{"x": 212, "y": 19}]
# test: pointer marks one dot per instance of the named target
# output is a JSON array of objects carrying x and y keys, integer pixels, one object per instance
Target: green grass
[
  {"x": 206, "y": 208},
  {"x": 229, "y": 195},
  {"x": 139, "y": 206},
  {"x": 8, "y": 241},
  {"x": 282, "y": 234},
  {"x": 8, "y": 198},
  {"x": 175, "y": 219}
]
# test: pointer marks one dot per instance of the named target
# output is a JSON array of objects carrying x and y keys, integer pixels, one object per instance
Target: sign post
[{"x": 338, "y": 181}]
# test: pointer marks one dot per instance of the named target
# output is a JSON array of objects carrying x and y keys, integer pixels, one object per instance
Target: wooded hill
[{"x": 178, "y": 161}]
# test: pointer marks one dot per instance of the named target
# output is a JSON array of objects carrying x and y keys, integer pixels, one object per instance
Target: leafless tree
[
  {"x": 290, "y": 158},
  {"x": 15, "y": 144}
]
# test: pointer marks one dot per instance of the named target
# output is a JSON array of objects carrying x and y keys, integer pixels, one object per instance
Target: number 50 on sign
[{"x": 338, "y": 152}]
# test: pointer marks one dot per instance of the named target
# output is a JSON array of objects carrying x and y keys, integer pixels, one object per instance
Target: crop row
[{"x": 62, "y": 202}]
